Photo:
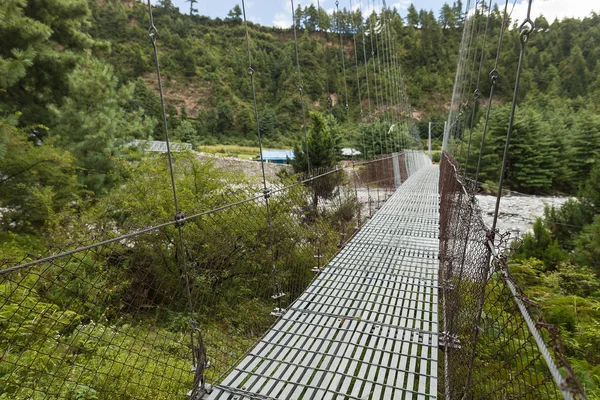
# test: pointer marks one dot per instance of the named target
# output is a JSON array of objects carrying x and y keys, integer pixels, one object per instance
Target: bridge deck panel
[{"x": 367, "y": 326}]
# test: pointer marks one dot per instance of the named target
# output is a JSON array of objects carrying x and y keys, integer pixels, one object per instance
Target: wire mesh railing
[
  {"x": 495, "y": 341},
  {"x": 161, "y": 312}
]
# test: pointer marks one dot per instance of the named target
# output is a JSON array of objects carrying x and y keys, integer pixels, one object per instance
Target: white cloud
[
  {"x": 552, "y": 9},
  {"x": 283, "y": 18}
]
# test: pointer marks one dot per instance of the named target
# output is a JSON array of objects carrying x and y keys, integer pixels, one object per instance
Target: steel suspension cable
[
  {"x": 300, "y": 88},
  {"x": 493, "y": 75},
  {"x": 395, "y": 88},
  {"x": 364, "y": 45},
  {"x": 199, "y": 361},
  {"x": 325, "y": 65},
  {"x": 525, "y": 29},
  {"x": 381, "y": 83},
  {"x": 372, "y": 32},
  {"x": 471, "y": 76},
  {"x": 397, "y": 82},
  {"x": 325, "y": 62},
  {"x": 476, "y": 92},
  {"x": 343, "y": 55},
  {"x": 277, "y": 293},
  {"x": 456, "y": 103},
  {"x": 386, "y": 80},
  {"x": 464, "y": 104},
  {"x": 362, "y": 127}
]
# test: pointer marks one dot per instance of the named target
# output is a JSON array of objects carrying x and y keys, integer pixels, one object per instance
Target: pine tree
[
  {"x": 40, "y": 45},
  {"x": 93, "y": 124},
  {"x": 412, "y": 17},
  {"x": 37, "y": 180}
]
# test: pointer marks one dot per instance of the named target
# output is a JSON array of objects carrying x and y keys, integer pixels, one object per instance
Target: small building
[
  {"x": 277, "y": 156},
  {"x": 350, "y": 153}
]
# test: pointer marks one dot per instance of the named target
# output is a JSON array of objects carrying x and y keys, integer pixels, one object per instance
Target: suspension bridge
[{"x": 375, "y": 280}]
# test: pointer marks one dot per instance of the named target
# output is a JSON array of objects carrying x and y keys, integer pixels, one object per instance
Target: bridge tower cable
[
  {"x": 477, "y": 92},
  {"x": 464, "y": 69},
  {"x": 343, "y": 57},
  {"x": 470, "y": 102},
  {"x": 395, "y": 78},
  {"x": 358, "y": 86},
  {"x": 360, "y": 102},
  {"x": 389, "y": 86},
  {"x": 466, "y": 214},
  {"x": 464, "y": 104},
  {"x": 377, "y": 108},
  {"x": 300, "y": 88},
  {"x": 366, "y": 64},
  {"x": 400, "y": 90},
  {"x": 390, "y": 74},
  {"x": 455, "y": 103},
  {"x": 525, "y": 29},
  {"x": 326, "y": 67},
  {"x": 378, "y": 54},
  {"x": 385, "y": 80},
  {"x": 325, "y": 61},
  {"x": 346, "y": 104},
  {"x": 198, "y": 351},
  {"x": 395, "y": 84},
  {"x": 278, "y": 294},
  {"x": 493, "y": 76}
]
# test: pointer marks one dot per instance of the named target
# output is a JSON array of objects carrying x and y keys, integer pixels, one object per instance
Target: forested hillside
[
  {"x": 205, "y": 69},
  {"x": 78, "y": 84},
  {"x": 56, "y": 58}
]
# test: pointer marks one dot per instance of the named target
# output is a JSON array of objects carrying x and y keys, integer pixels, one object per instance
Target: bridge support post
[{"x": 429, "y": 142}]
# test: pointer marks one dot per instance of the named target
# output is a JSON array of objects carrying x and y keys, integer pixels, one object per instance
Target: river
[{"x": 517, "y": 213}]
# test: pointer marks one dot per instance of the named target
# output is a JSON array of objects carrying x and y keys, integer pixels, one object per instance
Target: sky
[{"x": 278, "y": 12}]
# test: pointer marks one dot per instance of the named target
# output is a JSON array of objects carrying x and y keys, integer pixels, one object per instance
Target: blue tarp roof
[{"x": 278, "y": 154}]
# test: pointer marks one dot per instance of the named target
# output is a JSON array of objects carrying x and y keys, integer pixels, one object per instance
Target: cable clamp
[
  {"x": 278, "y": 295},
  {"x": 179, "y": 219},
  {"x": 153, "y": 33},
  {"x": 449, "y": 341},
  {"x": 494, "y": 75},
  {"x": 278, "y": 312}
]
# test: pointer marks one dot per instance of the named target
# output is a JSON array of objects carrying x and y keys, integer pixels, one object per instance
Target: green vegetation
[
  {"x": 77, "y": 84},
  {"x": 559, "y": 267}
]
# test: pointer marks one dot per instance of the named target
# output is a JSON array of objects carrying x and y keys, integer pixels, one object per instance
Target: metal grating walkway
[{"x": 367, "y": 327}]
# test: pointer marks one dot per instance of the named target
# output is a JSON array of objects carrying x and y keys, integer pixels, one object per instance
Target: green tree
[
  {"x": 412, "y": 16},
  {"x": 587, "y": 250},
  {"x": 41, "y": 41},
  {"x": 540, "y": 245},
  {"x": 224, "y": 117},
  {"x": 321, "y": 149},
  {"x": 235, "y": 14},
  {"x": 93, "y": 124},
  {"x": 574, "y": 73},
  {"x": 245, "y": 121},
  {"x": 192, "y": 9},
  {"x": 447, "y": 17},
  {"x": 585, "y": 142},
  {"x": 186, "y": 132},
  {"x": 321, "y": 153},
  {"x": 37, "y": 181}
]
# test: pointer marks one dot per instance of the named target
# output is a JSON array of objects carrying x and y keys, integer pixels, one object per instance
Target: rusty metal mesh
[{"x": 489, "y": 326}]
